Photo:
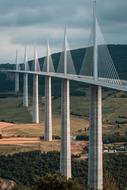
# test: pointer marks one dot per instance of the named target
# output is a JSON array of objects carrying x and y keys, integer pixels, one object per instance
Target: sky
[{"x": 31, "y": 23}]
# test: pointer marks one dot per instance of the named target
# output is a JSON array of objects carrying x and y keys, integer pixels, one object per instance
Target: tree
[
  {"x": 109, "y": 182},
  {"x": 55, "y": 182}
]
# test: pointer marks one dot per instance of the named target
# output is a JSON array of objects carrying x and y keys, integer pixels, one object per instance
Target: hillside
[
  {"x": 118, "y": 53},
  {"x": 26, "y": 167},
  {"x": 114, "y": 116}
]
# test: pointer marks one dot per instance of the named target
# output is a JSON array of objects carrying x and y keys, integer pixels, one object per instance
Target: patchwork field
[
  {"x": 14, "y": 145},
  {"x": 20, "y": 134}
]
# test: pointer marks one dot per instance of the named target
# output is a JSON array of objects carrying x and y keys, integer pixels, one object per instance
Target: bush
[
  {"x": 55, "y": 182},
  {"x": 82, "y": 138}
]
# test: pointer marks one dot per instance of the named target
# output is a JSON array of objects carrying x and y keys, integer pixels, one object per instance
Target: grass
[
  {"x": 13, "y": 111},
  {"x": 13, "y": 149},
  {"x": 114, "y": 106}
]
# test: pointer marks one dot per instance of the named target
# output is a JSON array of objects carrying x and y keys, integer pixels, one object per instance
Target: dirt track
[
  {"x": 44, "y": 146},
  {"x": 27, "y": 135},
  {"x": 5, "y": 124},
  {"x": 18, "y": 141}
]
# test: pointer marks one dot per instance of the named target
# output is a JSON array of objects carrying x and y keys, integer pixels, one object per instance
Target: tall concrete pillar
[
  {"x": 17, "y": 74},
  {"x": 35, "y": 111},
  {"x": 95, "y": 156},
  {"x": 65, "y": 154},
  {"x": 25, "y": 80},
  {"x": 48, "y": 110},
  {"x": 25, "y": 90},
  {"x": 16, "y": 82}
]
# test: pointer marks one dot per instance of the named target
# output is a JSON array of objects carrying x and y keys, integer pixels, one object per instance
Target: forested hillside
[
  {"x": 25, "y": 167},
  {"x": 118, "y": 53}
]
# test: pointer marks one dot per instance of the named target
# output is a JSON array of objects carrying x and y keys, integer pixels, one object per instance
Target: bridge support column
[
  {"x": 48, "y": 110},
  {"x": 35, "y": 109},
  {"x": 65, "y": 154},
  {"x": 95, "y": 161},
  {"x": 25, "y": 90},
  {"x": 16, "y": 82}
]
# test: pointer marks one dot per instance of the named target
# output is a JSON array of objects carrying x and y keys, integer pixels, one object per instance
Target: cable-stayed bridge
[{"x": 97, "y": 71}]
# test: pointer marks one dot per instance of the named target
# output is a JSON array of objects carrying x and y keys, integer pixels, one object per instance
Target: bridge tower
[
  {"x": 17, "y": 74},
  {"x": 25, "y": 82},
  {"x": 35, "y": 108},
  {"x": 95, "y": 156},
  {"x": 48, "y": 101},
  {"x": 65, "y": 154}
]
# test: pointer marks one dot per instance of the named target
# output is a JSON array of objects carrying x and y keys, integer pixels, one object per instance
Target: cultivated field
[{"x": 20, "y": 134}]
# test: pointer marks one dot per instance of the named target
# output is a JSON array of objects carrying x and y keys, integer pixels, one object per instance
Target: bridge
[{"x": 97, "y": 71}]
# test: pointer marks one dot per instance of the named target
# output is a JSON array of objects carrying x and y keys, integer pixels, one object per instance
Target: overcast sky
[{"x": 33, "y": 22}]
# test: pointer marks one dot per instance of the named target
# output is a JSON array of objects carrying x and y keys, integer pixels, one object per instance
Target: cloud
[{"x": 30, "y": 22}]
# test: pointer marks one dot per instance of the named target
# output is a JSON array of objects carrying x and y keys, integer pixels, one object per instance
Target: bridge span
[{"x": 98, "y": 71}]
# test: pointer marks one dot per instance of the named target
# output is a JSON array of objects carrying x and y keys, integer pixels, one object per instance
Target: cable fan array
[{"x": 106, "y": 69}]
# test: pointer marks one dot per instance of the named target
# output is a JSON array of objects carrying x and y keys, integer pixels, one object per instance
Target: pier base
[
  {"x": 65, "y": 154},
  {"x": 16, "y": 82},
  {"x": 35, "y": 109},
  {"x": 95, "y": 160},
  {"x": 25, "y": 90},
  {"x": 48, "y": 110}
]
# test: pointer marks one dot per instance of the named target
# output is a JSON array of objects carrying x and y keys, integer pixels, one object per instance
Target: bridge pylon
[
  {"x": 25, "y": 82},
  {"x": 65, "y": 154},
  {"x": 95, "y": 155},
  {"x": 95, "y": 160},
  {"x": 35, "y": 106},
  {"x": 17, "y": 74},
  {"x": 48, "y": 101}
]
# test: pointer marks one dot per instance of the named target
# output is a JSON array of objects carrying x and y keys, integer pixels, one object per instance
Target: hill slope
[{"x": 118, "y": 54}]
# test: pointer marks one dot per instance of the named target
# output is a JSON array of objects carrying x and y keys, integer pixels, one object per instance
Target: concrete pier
[
  {"x": 25, "y": 90},
  {"x": 16, "y": 82},
  {"x": 95, "y": 159},
  {"x": 17, "y": 74},
  {"x": 35, "y": 108},
  {"x": 48, "y": 110},
  {"x": 65, "y": 154},
  {"x": 25, "y": 80}
]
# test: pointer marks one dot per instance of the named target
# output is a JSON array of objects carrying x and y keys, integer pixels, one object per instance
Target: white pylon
[
  {"x": 35, "y": 107},
  {"x": 95, "y": 155},
  {"x": 48, "y": 102},
  {"x": 65, "y": 51},
  {"x": 65, "y": 153},
  {"x": 36, "y": 62},
  {"x": 48, "y": 54},
  {"x": 95, "y": 46},
  {"x": 25, "y": 81},
  {"x": 17, "y": 74}
]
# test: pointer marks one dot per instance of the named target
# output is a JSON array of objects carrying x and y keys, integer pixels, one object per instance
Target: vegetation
[
  {"x": 13, "y": 111},
  {"x": 118, "y": 53},
  {"x": 106, "y": 138},
  {"x": 114, "y": 109},
  {"x": 52, "y": 181},
  {"x": 56, "y": 182},
  {"x": 31, "y": 169}
]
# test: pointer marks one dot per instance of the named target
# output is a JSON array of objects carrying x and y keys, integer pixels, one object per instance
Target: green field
[
  {"x": 114, "y": 112},
  {"x": 11, "y": 110}
]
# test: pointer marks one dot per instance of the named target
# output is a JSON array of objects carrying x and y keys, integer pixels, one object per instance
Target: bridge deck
[{"x": 79, "y": 78}]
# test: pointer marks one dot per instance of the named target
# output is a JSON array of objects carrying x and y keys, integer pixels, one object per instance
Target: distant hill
[{"x": 118, "y": 54}]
